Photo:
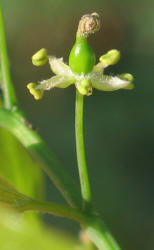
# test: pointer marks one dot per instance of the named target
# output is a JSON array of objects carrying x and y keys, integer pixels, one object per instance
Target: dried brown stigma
[{"x": 89, "y": 24}]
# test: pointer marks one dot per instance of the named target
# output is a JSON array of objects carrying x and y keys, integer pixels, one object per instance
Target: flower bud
[
  {"x": 110, "y": 58},
  {"x": 40, "y": 58},
  {"x": 37, "y": 93}
]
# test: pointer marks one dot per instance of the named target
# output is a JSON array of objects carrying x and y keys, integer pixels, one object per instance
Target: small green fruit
[{"x": 82, "y": 57}]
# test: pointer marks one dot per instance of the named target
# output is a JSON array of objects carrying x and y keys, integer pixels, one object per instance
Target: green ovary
[{"x": 82, "y": 57}]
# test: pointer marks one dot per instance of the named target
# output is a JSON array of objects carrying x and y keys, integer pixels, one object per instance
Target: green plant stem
[
  {"x": 8, "y": 91},
  {"x": 95, "y": 229},
  {"x": 54, "y": 209},
  {"x": 93, "y": 226},
  {"x": 82, "y": 166},
  {"x": 17, "y": 125},
  {"x": 91, "y": 223},
  {"x": 100, "y": 235}
]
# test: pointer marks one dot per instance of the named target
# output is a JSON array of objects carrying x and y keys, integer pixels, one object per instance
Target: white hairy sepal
[
  {"x": 59, "y": 67},
  {"x": 108, "y": 83},
  {"x": 98, "y": 68},
  {"x": 55, "y": 81}
]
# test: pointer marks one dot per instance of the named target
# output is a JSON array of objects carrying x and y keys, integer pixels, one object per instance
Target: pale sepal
[
  {"x": 108, "y": 83},
  {"x": 98, "y": 68},
  {"x": 59, "y": 67},
  {"x": 55, "y": 81}
]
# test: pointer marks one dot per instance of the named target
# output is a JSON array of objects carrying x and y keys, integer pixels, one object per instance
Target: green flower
[{"x": 81, "y": 70}]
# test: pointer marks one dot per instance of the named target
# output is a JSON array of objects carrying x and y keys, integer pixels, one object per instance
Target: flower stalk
[{"x": 80, "y": 150}]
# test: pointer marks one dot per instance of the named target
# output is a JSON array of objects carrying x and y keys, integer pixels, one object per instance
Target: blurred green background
[{"x": 119, "y": 126}]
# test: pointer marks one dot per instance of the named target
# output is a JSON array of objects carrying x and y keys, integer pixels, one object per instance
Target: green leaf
[
  {"x": 16, "y": 233},
  {"x": 10, "y": 196},
  {"x": 14, "y": 122},
  {"x": 17, "y": 167},
  {"x": 18, "y": 229}
]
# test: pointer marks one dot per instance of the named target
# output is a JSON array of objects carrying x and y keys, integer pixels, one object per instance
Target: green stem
[
  {"x": 92, "y": 225},
  {"x": 17, "y": 125},
  {"x": 100, "y": 235},
  {"x": 7, "y": 86},
  {"x": 82, "y": 166},
  {"x": 54, "y": 209},
  {"x": 95, "y": 229}
]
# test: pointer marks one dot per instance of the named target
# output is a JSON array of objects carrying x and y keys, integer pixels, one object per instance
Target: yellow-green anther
[
  {"x": 84, "y": 87},
  {"x": 129, "y": 86},
  {"x": 127, "y": 76},
  {"x": 85, "y": 83},
  {"x": 37, "y": 93},
  {"x": 110, "y": 58},
  {"x": 40, "y": 58}
]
